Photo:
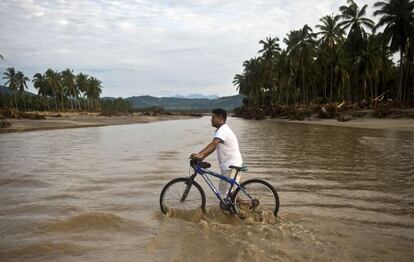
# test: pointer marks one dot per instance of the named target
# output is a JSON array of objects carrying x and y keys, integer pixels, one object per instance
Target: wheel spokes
[{"x": 173, "y": 197}]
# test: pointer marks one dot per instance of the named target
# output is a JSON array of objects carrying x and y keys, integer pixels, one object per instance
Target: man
[{"x": 227, "y": 145}]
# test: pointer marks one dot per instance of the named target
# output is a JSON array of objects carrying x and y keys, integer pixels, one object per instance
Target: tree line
[
  {"x": 345, "y": 58},
  {"x": 58, "y": 91}
]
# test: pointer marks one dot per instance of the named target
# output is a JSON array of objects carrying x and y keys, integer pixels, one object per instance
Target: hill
[
  {"x": 6, "y": 90},
  {"x": 193, "y": 96},
  {"x": 174, "y": 103},
  {"x": 170, "y": 103}
]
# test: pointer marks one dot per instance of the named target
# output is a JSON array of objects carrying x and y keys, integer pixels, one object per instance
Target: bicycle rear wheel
[
  {"x": 172, "y": 196},
  {"x": 258, "y": 197}
]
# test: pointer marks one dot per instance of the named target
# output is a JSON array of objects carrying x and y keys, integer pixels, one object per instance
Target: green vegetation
[
  {"x": 58, "y": 91},
  {"x": 344, "y": 59},
  {"x": 141, "y": 103}
]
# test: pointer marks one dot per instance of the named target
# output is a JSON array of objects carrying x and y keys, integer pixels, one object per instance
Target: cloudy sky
[{"x": 149, "y": 47}]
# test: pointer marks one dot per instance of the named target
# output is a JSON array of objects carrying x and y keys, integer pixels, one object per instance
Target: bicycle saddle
[{"x": 239, "y": 168}]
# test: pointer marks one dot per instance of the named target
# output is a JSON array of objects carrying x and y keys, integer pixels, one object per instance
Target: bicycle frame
[{"x": 205, "y": 172}]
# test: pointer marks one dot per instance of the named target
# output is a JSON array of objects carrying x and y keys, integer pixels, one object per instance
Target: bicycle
[{"x": 251, "y": 196}]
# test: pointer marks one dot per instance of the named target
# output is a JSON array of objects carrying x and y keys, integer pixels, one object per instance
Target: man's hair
[{"x": 220, "y": 112}]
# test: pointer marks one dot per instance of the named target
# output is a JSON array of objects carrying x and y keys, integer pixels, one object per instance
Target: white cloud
[{"x": 148, "y": 46}]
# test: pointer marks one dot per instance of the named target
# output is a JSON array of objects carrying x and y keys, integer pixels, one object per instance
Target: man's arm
[{"x": 207, "y": 150}]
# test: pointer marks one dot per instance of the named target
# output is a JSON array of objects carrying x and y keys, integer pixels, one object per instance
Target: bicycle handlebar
[{"x": 198, "y": 162}]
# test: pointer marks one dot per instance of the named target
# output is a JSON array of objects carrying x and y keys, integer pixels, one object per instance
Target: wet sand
[
  {"x": 372, "y": 123},
  {"x": 78, "y": 120}
]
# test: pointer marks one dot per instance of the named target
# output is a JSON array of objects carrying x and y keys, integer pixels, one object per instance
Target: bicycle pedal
[{"x": 224, "y": 206}]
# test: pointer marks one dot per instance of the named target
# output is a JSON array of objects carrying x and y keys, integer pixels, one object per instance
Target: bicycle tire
[
  {"x": 181, "y": 184},
  {"x": 271, "y": 205}
]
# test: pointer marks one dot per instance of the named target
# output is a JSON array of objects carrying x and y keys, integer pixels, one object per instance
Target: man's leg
[{"x": 223, "y": 185}]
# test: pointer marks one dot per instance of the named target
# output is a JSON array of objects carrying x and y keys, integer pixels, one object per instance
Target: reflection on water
[{"x": 92, "y": 194}]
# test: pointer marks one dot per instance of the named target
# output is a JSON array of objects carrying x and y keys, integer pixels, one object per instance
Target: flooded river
[{"x": 92, "y": 194}]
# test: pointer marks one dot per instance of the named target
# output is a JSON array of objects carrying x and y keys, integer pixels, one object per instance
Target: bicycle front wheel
[
  {"x": 178, "y": 194},
  {"x": 257, "y": 196}
]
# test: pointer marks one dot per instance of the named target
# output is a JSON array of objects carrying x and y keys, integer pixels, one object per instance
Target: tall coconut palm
[
  {"x": 22, "y": 85},
  {"x": 253, "y": 71},
  {"x": 331, "y": 35},
  {"x": 55, "y": 84},
  {"x": 82, "y": 86},
  {"x": 353, "y": 18},
  {"x": 301, "y": 49},
  {"x": 330, "y": 31},
  {"x": 68, "y": 81},
  {"x": 398, "y": 18},
  {"x": 41, "y": 85},
  {"x": 12, "y": 82},
  {"x": 370, "y": 64},
  {"x": 285, "y": 76},
  {"x": 239, "y": 83},
  {"x": 269, "y": 51},
  {"x": 94, "y": 90}
]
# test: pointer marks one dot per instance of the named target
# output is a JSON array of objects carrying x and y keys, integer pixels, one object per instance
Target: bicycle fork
[{"x": 188, "y": 187}]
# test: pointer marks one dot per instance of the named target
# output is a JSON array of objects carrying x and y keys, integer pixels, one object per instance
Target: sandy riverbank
[
  {"x": 78, "y": 120},
  {"x": 403, "y": 124}
]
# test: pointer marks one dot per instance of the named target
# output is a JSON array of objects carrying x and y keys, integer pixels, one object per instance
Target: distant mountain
[
  {"x": 175, "y": 103},
  {"x": 6, "y": 90},
  {"x": 195, "y": 96},
  {"x": 171, "y": 103}
]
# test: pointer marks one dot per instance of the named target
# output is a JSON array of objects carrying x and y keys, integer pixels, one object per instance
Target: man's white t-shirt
[{"x": 228, "y": 152}]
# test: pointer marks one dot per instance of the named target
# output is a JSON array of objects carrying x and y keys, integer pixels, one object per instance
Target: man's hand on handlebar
[{"x": 196, "y": 156}]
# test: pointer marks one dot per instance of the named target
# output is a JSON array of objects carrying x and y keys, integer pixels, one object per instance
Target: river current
[{"x": 92, "y": 194}]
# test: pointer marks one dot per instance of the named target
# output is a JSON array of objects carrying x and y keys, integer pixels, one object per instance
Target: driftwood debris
[{"x": 4, "y": 124}]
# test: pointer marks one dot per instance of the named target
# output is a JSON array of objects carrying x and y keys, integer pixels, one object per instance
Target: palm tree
[
  {"x": 22, "y": 85},
  {"x": 239, "y": 83},
  {"x": 269, "y": 51},
  {"x": 94, "y": 89},
  {"x": 331, "y": 36},
  {"x": 12, "y": 82},
  {"x": 40, "y": 83},
  {"x": 68, "y": 81},
  {"x": 301, "y": 49},
  {"x": 285, "y": 78},
  {"x": 82, "y": 86},
  {"x": 354, "y": 19},
  {"x": 330, "y": 31},
  {"x": 370, "y": 64},
  {"x": 343, "y": 77},
  {"x": 398, "y": 18},
  {"x": 54, "y": 82},
  {"x": 253, "y": 71}
]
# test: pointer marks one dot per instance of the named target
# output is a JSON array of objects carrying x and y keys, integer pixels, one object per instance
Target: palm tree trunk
[
  {"x": 15, "y": 101},
  {"x": 47, "y": 104},
  {"x": 24, "y": 103},
  {"x": 55, "y": 97},
  {"x": 370, "y": 88},
  {"x": 401, "y": 75},
  {"x": 365, "y": 88},
  {"x": 332, "y": 83},
  {"x": 78, "y": 104},
  {"x": 303, "y": 85},
  {"x": 61, "y": 101},
  {"x": 405, "y": 88}
]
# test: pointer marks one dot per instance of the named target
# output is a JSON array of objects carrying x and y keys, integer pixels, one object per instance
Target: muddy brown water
[{"x": 91, "y": 194}]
